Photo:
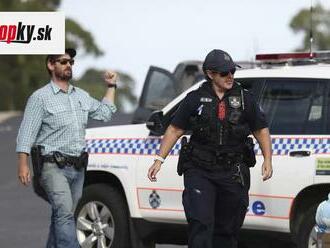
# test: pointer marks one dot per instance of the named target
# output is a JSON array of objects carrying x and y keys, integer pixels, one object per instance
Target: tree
[
  {"x": 320, "y": 24},
  {"x": 92, "y": 81},
  {"x": 20, "y": 75}
]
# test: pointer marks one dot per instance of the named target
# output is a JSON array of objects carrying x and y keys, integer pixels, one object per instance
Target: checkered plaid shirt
[{"x": 57, "y": 120}]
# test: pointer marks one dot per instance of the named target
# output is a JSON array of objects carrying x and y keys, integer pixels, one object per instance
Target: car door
[
  {"x": 158, "y": 90},
  {"x": 162, "y": 199},
  {"x": 295, "y": 109},
  {"x": 322, "y": 174}
]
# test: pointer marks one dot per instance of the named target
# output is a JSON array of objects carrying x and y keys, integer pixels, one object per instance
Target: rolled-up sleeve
[
  {"x": 30, "y": 125},
  {"x": 102, "y": 111}
]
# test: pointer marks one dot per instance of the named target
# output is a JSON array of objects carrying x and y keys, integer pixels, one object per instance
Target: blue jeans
[{"x": 64, "y": 189}]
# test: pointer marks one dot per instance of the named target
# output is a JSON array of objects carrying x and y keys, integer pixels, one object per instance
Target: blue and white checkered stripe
[
  {"x": 282, "y": 146},
  {"x": 150, "y": 146}
]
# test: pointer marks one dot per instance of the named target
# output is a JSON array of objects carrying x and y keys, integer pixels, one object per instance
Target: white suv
[{"x": 120, "y": 207}]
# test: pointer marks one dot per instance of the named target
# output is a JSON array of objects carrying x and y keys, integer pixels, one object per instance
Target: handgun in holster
[
  {"x": 249, "y": 155},
  {"x": 184, "y": 155},
  {"x": 37, "y": 164},
  {"x": 82, "y": 161},
  {"x": 62, "y": 160}
]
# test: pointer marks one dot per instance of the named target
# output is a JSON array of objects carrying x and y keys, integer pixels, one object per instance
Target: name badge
[{"x": 205, "y": 99}]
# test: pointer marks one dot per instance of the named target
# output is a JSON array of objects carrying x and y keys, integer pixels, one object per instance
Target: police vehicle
[{"x": 120, "y": 207}]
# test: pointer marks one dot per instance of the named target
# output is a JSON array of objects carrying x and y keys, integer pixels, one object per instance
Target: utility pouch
[
  {"x": 204, "y": 157},
  {"x": 249, "y": 155},
  {"x": 82, "y": 161},
  {"x": 37, "y": 165},
  {"x": 60, "y": 159},
  {"x": 184, "y": 155}
]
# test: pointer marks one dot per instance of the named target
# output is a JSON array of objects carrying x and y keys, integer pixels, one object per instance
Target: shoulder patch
[{"x": 235, "y": 101}]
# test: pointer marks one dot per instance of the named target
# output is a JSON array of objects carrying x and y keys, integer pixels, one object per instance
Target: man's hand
[
  {"x": 153, "y": 170},
  {"x": 110, "y": 77},
  {"x": 24, "y": 174},
  {"x": 267, "y": 170}
]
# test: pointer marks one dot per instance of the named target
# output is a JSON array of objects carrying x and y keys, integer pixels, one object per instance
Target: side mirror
[{"x": 155, "y": 123}]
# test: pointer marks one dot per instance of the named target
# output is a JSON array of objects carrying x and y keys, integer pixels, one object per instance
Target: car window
[
  {"x": 253, "y": 85},
  {"x": 294, "y": 106},
  {"x": 247, "y": 83},
  {"x": 162, "y": 89},
  {"x": 187, "y": 75}
]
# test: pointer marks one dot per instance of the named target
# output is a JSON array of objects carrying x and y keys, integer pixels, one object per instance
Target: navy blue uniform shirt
[{"x": 189, "y": 107}]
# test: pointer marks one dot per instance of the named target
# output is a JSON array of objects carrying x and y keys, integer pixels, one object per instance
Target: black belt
[
  {"x": 70, "y": 160},
  {"x": 216, "y": 158}
]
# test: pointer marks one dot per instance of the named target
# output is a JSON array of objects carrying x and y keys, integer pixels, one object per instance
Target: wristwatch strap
[{"x": 112, "y": 86}]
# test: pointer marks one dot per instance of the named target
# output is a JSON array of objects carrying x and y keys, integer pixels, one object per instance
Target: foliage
[
  {"x": 77, "y": 37},
  {"x": 92, "y": 81},
  {"x": 29, "y": 5},
  {"x": 301, "y": 22},
  {"x": 20, "y": 75}
]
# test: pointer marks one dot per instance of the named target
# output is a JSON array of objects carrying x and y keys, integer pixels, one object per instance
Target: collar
[{"x": 56, "y": 89}]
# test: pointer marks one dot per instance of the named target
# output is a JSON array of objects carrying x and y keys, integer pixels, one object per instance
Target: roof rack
[{"x": 293, "y": 58}]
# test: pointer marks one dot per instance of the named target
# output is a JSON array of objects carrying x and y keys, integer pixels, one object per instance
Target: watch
[{"x": 112, "y": 86}]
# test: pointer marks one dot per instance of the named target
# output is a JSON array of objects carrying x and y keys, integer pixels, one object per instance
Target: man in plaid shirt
[{"x": 55, "y": 117}]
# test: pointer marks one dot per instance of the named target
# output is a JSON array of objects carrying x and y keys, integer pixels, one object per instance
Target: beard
[{"x": 64, "y": 75}]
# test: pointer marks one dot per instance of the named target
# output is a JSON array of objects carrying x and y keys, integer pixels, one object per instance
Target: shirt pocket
[
  {"x": 58, "y": 116},
  {"x": 82, "y": 112}
]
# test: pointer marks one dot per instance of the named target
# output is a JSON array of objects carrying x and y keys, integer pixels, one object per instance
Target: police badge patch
[
  {"x": 154, "y": 199},
  {"x": 235, "y": 101}
]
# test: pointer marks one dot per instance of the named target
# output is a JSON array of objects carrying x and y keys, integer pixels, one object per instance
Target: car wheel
[
  {"x": 102, "y": 218},
  {"x": 305, "y": 238}
]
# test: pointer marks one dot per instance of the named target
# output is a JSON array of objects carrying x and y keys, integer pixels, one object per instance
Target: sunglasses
[
  {"x": 226, "y": 73},
  {"x": 65, "y": 61}
]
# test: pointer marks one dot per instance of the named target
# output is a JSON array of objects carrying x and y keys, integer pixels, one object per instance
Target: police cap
[{"x": 218, "y": 61}]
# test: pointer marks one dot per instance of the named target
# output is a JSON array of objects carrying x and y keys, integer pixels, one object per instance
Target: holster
[
  {"x": 249, "y": 155},
  {"x": 184, "y": 155},
  {"x": 63, "y": 160},
  {"x": 37, "y": 165},
  {"x": 82, "y": 161}
]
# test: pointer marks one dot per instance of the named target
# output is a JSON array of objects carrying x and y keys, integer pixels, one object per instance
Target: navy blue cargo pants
[{"x": 215, "y": 205}]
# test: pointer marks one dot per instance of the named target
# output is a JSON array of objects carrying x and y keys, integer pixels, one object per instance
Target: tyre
[
  {"x": 102, "y": 218},
  {"x": 304, "y": 236}
]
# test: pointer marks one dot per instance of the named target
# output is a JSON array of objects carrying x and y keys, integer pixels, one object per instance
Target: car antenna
[{"x": 311, "y": 31}]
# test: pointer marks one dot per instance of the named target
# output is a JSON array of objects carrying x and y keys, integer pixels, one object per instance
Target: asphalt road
[{"x": 24, "y": 218}]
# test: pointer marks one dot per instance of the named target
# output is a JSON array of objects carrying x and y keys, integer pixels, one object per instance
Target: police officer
[
  {"x": 216, "y": 161},
  {"x": 55, "y": 118}
]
